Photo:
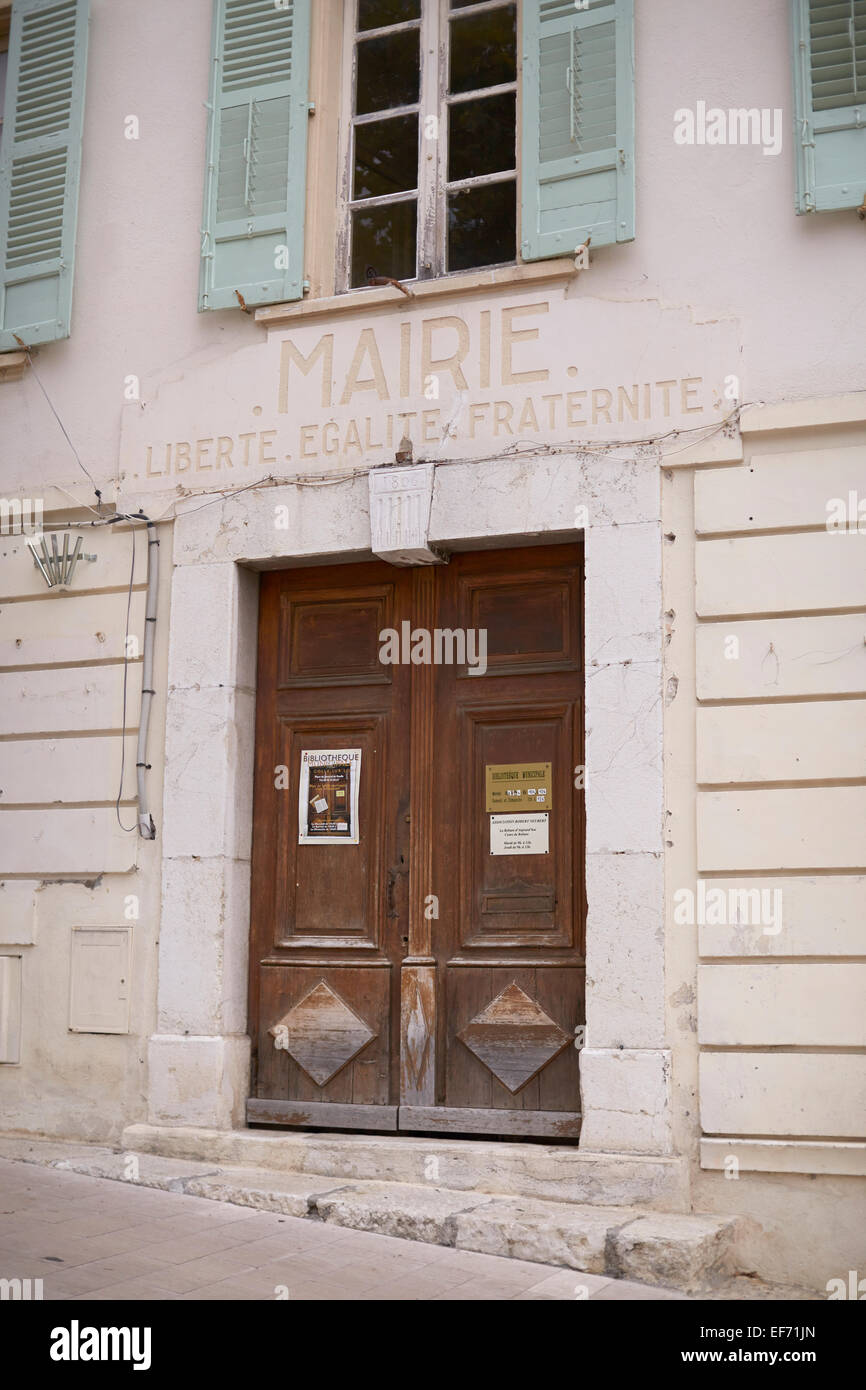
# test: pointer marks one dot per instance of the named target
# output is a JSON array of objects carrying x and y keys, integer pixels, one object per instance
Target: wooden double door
[{"x": 415, "y": 964}]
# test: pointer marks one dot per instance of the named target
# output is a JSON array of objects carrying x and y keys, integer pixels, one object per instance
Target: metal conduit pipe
[{"x": 146, "y": 827}]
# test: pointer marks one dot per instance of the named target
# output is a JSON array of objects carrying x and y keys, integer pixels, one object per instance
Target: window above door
[
  {"x": 359, "y": 141},
  {"x": 429, "y": 138}
]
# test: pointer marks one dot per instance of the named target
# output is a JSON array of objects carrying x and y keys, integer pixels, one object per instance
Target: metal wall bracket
[{"x": 58, "y": 566}]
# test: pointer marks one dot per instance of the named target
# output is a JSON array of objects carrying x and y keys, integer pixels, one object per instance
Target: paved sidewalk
[{"x": 92, "y": 1238}]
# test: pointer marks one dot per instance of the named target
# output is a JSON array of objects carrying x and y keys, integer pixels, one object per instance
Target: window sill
[
  {"x": 448, "y": 286},
  {"x": 12, "y": 365}
]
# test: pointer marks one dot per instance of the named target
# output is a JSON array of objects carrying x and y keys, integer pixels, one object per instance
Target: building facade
[{"x": 468, "y": 391}]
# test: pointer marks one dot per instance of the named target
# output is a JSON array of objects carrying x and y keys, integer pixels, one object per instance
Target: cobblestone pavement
[{"x": 91, "y": 1238}]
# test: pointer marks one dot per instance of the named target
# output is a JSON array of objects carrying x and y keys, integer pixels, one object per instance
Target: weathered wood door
[{"x": 426, "y": 978}]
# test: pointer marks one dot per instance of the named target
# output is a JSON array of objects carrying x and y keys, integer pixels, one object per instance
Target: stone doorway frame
[{"x": 199, "y": 1056}]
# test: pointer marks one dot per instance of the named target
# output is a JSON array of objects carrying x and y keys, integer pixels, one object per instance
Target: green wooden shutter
[
  {"x": 577, "y": 149},
  {"x": 253, "y": 232},
  {"x": 39, "y": 166},
  {"x": 830, "y": 98}
]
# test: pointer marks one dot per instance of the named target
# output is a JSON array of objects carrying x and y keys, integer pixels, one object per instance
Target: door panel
[
  {"x": 416, "y": 979},
  {"x": 509, "y": 941},
  {"x": 334, "y": 639},
  {"x": 510, "y": 1039},
  {"x": 532, "y": 624},
  {"x": 522, "y": 900},
  {"x": 339, "y": 1043},
  {"x": 328, "y": 919},
  {"x": 329, "y": 894}
]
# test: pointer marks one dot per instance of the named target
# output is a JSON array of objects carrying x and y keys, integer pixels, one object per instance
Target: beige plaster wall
[
  {"x": 65, "y": 863},
  {"x": 763, "y": 757}
]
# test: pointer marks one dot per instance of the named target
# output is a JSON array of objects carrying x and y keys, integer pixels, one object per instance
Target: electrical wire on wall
[
  {"x": 585, "y": 451},
  {"x": 145, "y": 824}
]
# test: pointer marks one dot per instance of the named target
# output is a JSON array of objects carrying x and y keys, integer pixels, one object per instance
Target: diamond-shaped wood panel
[
  {"x": 322, "y": 1033},
  {"x": 514, "y": 1038}
]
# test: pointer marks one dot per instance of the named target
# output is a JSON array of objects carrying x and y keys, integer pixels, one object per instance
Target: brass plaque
[{"x": 518, "y": 787}]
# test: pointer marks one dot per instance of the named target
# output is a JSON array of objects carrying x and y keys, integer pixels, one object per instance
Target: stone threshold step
[
  {"x": 689, "y": 1253},
  {"x": 549, "y": 1172}
]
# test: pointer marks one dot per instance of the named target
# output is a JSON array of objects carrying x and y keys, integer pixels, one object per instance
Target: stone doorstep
[
  {"x": 548, "y": 1172},
  {"x": 691, "y": 1253}
]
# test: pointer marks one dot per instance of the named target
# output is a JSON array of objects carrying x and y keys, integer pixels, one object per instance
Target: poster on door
[
  {"x": 328, "y": 796},
  {"x": 520, "y": 834}
]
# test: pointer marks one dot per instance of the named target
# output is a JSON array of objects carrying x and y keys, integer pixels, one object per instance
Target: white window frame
[{"x": 431, "y": 192}]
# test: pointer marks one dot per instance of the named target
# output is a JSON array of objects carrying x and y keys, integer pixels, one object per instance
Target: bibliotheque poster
[{"x": 328, "y": 796}]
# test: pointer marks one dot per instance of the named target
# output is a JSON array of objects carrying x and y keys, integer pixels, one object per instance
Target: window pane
[
  {"x": 376, "y": 14},
  {"x": 386, "y": 157},
  {"x": 384, "y": 238},
  {"x": 481, "y": 226},
  {"x": 483, "y": 50},
  {"x": 481, "y": 137},
  {"x": 387, "y": 72}
]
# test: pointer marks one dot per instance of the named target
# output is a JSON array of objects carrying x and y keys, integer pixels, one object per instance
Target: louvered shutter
[
  {"x": 253, "y": 233},
  {"x": 830, "y": 94},
  {"x": 39, "y": 167},
  {"x": 577, "y": 149}
]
